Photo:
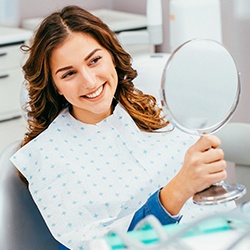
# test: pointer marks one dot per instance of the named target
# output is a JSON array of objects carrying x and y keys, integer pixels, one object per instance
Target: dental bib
[{"x": 87, "y": 179}]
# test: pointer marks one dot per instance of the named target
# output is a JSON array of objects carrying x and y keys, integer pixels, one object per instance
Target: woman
[{"x": 99, "y": 153}]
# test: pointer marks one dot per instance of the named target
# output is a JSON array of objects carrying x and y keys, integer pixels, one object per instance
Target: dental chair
[{"x": 21, "y": 225}]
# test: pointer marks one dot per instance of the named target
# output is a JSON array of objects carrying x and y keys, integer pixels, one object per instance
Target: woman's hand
[{"x": 203, "y": 166}]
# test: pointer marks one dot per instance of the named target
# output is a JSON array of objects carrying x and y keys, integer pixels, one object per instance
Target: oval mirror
[{"x": 200, "y": 92}]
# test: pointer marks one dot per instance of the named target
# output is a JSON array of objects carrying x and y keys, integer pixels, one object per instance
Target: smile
[{"x": 96, "y": 93}]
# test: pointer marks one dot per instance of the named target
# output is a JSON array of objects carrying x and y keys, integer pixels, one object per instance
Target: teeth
[{"x": 95, "y": 94}]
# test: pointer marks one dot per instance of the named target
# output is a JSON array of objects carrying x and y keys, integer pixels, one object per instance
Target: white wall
[{"x": 236, "y": 34}]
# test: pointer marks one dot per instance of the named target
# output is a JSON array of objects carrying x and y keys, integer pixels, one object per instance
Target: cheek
[
  {"x": 59, "y": 88},
  {"x": 59, "y": 91},
  {"x": 65, "y": 91},
  {"x": 116, "y": 80},
  {"x": 115, "y": 75},
  {"x": 56, "y": 86}
]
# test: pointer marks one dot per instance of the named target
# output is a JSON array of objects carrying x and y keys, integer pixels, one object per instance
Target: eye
[
  {"x": 95, "y": 60},
  {"x": 68, "y": 74}
]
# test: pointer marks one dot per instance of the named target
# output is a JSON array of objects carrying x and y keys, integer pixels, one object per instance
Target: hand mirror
[{"x": 199, "y": 94}]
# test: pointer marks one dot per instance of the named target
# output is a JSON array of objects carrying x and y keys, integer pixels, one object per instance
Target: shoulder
[{"x": 32, "y": 152}]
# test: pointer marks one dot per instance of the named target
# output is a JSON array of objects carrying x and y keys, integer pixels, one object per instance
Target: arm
[
  {"x": 202, "y": 167},
  {"x": 154, "y": 207}
]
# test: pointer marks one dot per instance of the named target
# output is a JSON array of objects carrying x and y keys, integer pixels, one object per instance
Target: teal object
[{"x": 148, "y": 235}]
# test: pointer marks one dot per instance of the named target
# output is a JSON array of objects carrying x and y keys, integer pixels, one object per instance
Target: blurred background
[
  {"x": 235, "y": 30},
  {"x": 235, "y": 25}
]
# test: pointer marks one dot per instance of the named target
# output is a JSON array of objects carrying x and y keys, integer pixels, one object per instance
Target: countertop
[{"x": 12, "y": 35}]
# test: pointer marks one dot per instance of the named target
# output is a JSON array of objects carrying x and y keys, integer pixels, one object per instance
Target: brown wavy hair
[{"x": 44, "y": 101}]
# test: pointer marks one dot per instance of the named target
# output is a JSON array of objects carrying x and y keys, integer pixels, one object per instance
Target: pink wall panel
[{"x": 31, "y": 8}]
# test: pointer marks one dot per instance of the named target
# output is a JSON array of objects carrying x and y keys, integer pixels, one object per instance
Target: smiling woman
[
  {"x": 98, "y": 153},
  {"x": 84, "y": 73}
]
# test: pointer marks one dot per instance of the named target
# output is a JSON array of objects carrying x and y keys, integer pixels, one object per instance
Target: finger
[
  {"x": 216, "y": 167},
  {"x": 207, "y": 142},
  {"x": 213, "y": 155},
  {"x": 212, "y": 179},
  {"x": 217, "y": 177},
  {"x": 209, "y": 169}
]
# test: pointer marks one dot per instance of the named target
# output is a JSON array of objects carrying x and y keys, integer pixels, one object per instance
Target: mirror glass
[
  {"x": 199, "y": 94},
  {"x": 200, "y": 86}
]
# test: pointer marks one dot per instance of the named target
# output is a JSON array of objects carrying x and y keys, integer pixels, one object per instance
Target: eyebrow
[
  {"x": 63, "y": 69},
  {"x": 85, "y": 59},
  {"x": 91, "y": 54}
]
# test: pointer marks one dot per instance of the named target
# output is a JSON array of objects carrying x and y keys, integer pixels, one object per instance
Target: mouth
[{"x": 95, "y": 94}]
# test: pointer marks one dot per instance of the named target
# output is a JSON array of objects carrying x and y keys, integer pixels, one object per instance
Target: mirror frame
[{"x": 167, "y": 111}]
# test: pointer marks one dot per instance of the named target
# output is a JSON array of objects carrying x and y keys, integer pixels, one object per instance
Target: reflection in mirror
[{"x": 200, "y": 92}]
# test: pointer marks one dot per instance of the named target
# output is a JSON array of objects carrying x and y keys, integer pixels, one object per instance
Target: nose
[{"x": 88, "y": 79}]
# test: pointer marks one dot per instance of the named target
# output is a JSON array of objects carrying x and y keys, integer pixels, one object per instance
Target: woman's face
[{"x": 84, "y": 73}]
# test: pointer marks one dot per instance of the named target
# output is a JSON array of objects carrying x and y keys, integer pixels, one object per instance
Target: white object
[
  {"x": 241, "y": 9},
  {"x": 9, "y": 13},
  {"x": 216, "y": 241},
  {"x": 11, "y": 76},
  {"x": 154, "y": 21},
  {"x": 153, "y": 33},
  {"x": 13, "y": 35},
  {"x": 149, "y": 69},
  {"x": 191, "y": 19}
]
